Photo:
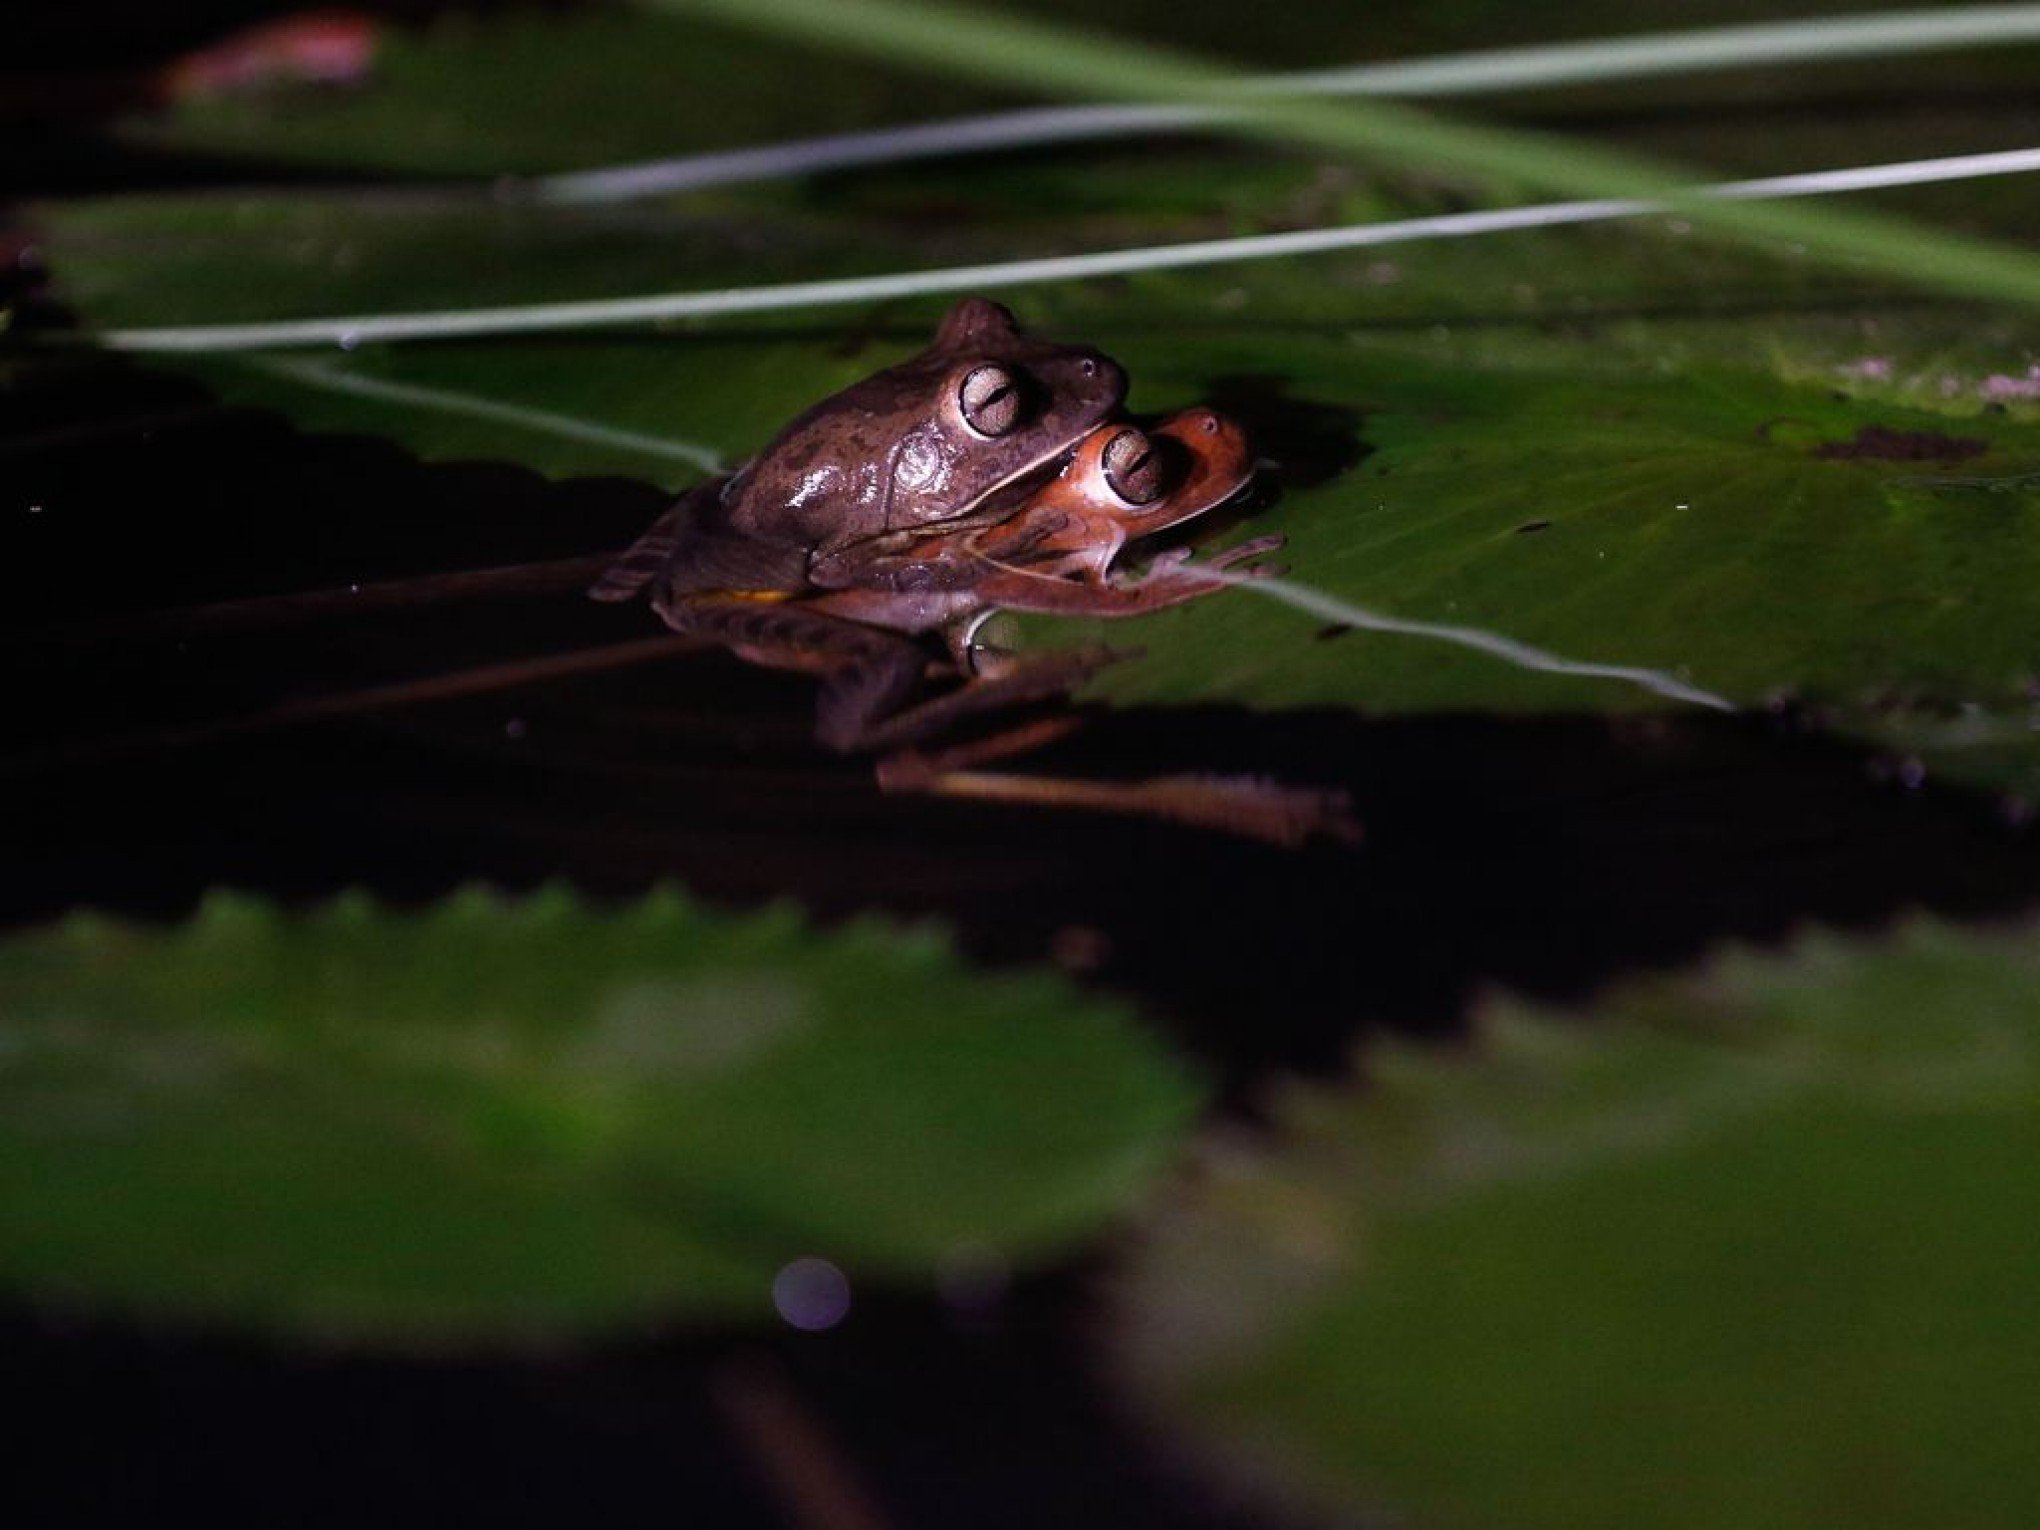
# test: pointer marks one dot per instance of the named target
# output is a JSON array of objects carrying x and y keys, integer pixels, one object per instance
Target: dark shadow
[
  {"x": 1308, "y": 441},
  {"x": 1547, "y": 855},
  {"x": 941, "y": 1414}
]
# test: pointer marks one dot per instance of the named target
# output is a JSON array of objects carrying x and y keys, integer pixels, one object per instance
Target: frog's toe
[
  {"x": 1253, "y": 547},
  {"x": 988, "y": 662},
  {"x": 1246, "y": 552}
]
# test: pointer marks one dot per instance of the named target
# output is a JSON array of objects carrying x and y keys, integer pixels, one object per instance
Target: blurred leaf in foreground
[
  {"x": 1750, "y": 1246},
  {"x": 484, "y": 95},
  {"x": 490, "y": 1122}
]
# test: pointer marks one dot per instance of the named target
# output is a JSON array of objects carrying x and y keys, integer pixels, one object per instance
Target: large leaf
[
  {"x": 1684, "y": 494},
  {"x": 1619, "y": 447},
  {"x": 491, "y": 1122},
  {"x": 1751, "y": 1246},
  {"x": 1741, "y": 536}
]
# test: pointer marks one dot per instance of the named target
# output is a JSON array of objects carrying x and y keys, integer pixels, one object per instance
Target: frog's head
[
  {"x": 1123, "y": 483},
  {"x": 1149, "y": 480},
  {"x": 923, "y": 442},
  {"x": 991, "y": 407}
]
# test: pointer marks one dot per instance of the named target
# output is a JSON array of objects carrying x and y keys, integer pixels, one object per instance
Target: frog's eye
[
  {"x": 989, "y": 397},
  {"x": 1133, "y": 468}
]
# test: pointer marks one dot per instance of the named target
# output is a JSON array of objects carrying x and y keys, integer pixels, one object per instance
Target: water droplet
[
  {"x": 515, "y": 728},
  {"x": 811, "y": 1294}
]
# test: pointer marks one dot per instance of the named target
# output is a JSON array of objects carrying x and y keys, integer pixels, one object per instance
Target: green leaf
[
  {"x": 1537, "y": 408},
  {"x": 1748, "y": 1246},
  {"x": 1699, "y": 523},
  {"x": 490, "y": 1122},
  {"x": 1602, "y": 444}
]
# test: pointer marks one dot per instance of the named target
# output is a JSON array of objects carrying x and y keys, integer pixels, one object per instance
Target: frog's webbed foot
[
  {"x": 1174, "y": 568},
  {"x": 1169, "y": 580},
  {"x": 1246, "y": 553}
]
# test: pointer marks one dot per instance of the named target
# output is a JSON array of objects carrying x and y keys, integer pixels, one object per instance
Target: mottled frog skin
[{"x": 844, "y": 493}]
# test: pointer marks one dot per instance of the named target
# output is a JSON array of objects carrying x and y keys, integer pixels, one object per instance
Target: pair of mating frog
[{"x": 989, "y": 472}]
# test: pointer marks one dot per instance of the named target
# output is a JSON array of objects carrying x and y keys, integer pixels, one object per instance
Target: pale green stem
[
  {"x": 1031, "y": 54},
  {"x": 1509, "y": 650},
  {"x": 315, "y": 374},
  {"x": 357, "y": 329},
  {"x": 1765, "y": 45}
]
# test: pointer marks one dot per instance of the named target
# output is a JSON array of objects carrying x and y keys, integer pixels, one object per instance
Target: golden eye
[
  {"x": 1133, "y": 468},
  {"x": 989, "y": 398}
]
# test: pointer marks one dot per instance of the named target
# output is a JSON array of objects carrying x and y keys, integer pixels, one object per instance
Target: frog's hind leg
[
  {"x": 1251, "y": 806},
  {"x": 868, "y": 673},
  {"x": 779, "y": 632},
  {"x": 1271, "y": 811},
  {"x": 646, "y": 558},
  {"x": 1040, "y": 677}
]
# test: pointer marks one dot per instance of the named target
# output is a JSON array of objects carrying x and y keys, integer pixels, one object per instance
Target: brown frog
[
  {"x": 844, "y": 494},
  {"x": 1052, "y": 553},
  {"x": 1056, "y": 551}
]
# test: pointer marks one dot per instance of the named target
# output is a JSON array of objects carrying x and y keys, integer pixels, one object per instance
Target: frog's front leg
[
  {"x": 1171, "y": 580},
  {"x": 929, "y": 561}
]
